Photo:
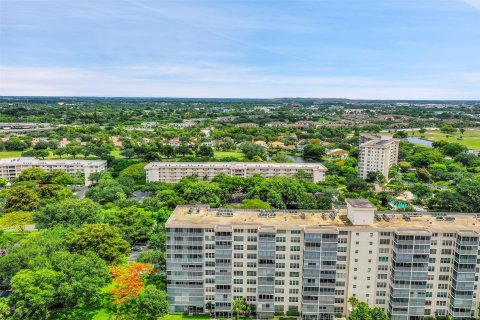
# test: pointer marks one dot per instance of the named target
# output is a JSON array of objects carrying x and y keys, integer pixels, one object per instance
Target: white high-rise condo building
[
  {"x": 12, "y": 167},
  {"x": 173, "y": 172},
  {"x": 377, "y": 153},
  {"x": 310, "y": 262}
]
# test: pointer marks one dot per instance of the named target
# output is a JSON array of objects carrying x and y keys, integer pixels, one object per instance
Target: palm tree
[
  {"x": 249, "y": 310},
  {"x": 353, "y": 301},
  {"x": 209, "y": 306},
  {"x": 238, "y": 306}
]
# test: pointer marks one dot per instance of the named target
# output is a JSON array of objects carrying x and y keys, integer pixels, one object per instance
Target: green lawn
[
  {"x": 83, "y": 313},
  {"x": 179, "y": 316},
  {"x": 10, "y": 154},
  {"x": 235, "y": 154},
  {"x": 471, "y": 137},
  {"x": 116, "y": 153}
]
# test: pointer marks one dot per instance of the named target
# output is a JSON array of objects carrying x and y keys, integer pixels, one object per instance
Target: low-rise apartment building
[
  {"x": 311, "y": 262},
  {"x": 377, "y": 153},
  {"x": 12, "y": 167},
  {"x": 173, "y": 172}
]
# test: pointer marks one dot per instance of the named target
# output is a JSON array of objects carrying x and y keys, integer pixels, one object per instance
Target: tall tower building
[
  {"x": 308, "y": 263},
  {"x": 377, "y": 153}
]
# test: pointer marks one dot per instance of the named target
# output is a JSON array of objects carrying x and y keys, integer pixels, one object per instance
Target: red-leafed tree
[{"x": 128, "y": 281}]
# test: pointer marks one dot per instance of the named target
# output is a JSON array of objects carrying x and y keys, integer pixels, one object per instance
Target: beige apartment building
[
  {"x": 310, "y": 262},
  {"x": 377, "y": 153},
  {"x": 12, "y": 167},
  {"x": 173, "y": 172}
]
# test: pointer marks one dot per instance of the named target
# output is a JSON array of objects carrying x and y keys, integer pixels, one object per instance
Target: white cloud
[
  {"x": 222, "y": 81},
  {"x": 473, "y": 3},
  {"x": 468, "y": 77}
]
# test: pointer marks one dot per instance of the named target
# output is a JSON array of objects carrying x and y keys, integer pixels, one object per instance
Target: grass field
[
  {"x": 177, "y": 316},
  {"x": 83, "y": 313},
  {"x": 471, "y": 137},
  {"x": 10, "y": 154},
  {"x": 235, "y": 154},
  {"x": 116, "y": 153}
]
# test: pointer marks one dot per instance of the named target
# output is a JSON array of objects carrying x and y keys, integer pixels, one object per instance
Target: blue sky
[{"x": 385, "y": 49}]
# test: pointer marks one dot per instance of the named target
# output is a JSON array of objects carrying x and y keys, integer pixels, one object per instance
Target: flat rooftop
[
  {"x": 235, "y": 165},
  {"x": 203, "y": 216},
  {"x": 360, "y": 203},
  {"x": 35, "y": 161}
]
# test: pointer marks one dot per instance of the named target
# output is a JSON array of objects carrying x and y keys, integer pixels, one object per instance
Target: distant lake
[
  {"x": 419, "y": 141},
  {"x": 429, "y": 144},
  {"x": 295, "y": 159}
]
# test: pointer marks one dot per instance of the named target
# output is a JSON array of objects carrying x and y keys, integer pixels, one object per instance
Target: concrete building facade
[
  {"x": 377, "y": 153},
  {"x": 173, "y": 172},
  {"x": 12, "y": 167},
  {"x": 311, "y": 262}
]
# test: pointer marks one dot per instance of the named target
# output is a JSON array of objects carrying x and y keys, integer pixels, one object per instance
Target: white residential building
[
  {"x": 311, "y": 262},
  {"x": 377, "y": 153},
  {"x": 173, "y": 172},
  {"x": 12, "y": 167}
]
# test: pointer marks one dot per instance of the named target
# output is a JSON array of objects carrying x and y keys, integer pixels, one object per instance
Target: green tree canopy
[
  {"x": 68, "y": 212},
  {"x": 102, "y": 239},
  {"x": 314, "y": 151},
  {"x": 21, "y": 198},
  {"x": 135, "y": 224},
  {"x": 136, "y": 172},
  {"x": 17, "y": 220}
]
